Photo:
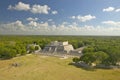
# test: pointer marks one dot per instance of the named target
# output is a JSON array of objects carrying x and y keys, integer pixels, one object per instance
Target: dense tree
[
  {"x": 31, "y": 48},
  {"x": 100, "y": 57},
  {"x": 16, "y": 45},
  {"x": 36, "y": 47},
  {"x": 76, "y": 59},
  {"x": 7, "y": 53},
  {"x": 81, "y": 44},
  {"x": 114, "y": 57},
  {"x": 94, "y": 57},
  {"x": 88, "y": 58},
  {"x": 88, "y": 49}
]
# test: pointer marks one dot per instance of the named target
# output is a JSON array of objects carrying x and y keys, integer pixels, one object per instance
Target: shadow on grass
[
  {"x": 90, "y": 68},
  {"x": 85, "y": 67},
  {"x": 5, "y": 58}
]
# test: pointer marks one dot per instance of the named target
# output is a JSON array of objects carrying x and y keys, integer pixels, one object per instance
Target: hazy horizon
[{"x": 60, "y": 17}]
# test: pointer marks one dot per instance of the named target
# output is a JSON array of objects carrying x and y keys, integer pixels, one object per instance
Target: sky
[{"x": 60, "y": 17}]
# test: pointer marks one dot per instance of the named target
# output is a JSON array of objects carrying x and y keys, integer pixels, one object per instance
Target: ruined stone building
[
  {"x": 77, "y": 52},
  {"x": 33, "y": 48},
  {"x": 58, "y": 47}
]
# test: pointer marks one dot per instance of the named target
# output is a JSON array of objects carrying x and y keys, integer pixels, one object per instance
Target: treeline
[
  {"x": 11, "y": 46},
  {"x": 102, "y": 51},
  {"x": 10, "y": 49}
]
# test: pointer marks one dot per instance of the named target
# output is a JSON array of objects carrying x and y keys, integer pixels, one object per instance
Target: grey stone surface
[{"x": 60, "y": 47}]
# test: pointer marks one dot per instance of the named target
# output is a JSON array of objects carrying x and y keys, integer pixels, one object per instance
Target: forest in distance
[{"x": 12, "y": 46}]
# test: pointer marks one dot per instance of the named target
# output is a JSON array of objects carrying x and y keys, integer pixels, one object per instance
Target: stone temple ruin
[
  {"x": 58, "y": 47},
  {"x": 34, "y": 46}
]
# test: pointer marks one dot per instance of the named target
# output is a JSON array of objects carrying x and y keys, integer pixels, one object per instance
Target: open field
[{"x": 38, "y": 67}]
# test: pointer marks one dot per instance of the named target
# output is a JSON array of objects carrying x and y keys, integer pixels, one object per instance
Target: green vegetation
[
  {"x": 32, "y": 48},
  {"x": 38, "y": 67},
  {"x": 8, "y": 50},
  {"x": 107, "y": 48},
  {"x": 106, "y": 54},
  {"x": 99, "y": 50},
  {"x": 36, "y": 48},
  {"x": 76, "y": 59},
  {"x": 96, "y": 57}
]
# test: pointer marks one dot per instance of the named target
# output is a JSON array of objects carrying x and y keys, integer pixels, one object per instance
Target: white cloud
[
  {"x": 32, "y": 23},
  {"x": 73, "y": 17},
  {"x": 111, "y": 23},
  {"x": 36, "y": 24},
  {"x": 32, "y": 19},
  {"x": 36, "y": 9},
  {"x": 40, "y": 9},
  {"x": 117, "y": 10},
  {"x": 11, "y": 27},
  {"x": 84, "y": 18},
  {"x": 54, "y": 12},
  {"x": 50, "y": 20},
  {"x": 45, "y": 24},
  {"x": 65, "y": 28},
  {"x": 109, "y": 9},
  {"x": 20, "y": 6}
]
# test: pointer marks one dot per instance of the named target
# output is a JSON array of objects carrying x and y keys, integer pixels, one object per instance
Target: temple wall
[
  {"x": 58, "y": 47},
  {"x": 68, "y": 48},
  {"x": 63, "y": 43}
]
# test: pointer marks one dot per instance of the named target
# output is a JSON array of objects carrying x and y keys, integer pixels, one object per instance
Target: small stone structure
[
  {"x": 77, "y": 52},
  {"x": 34, "y": 45},
  {"x": 59, "y": 47}
]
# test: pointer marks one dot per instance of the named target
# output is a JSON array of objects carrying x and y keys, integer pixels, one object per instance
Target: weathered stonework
[{"x": 59, "y": 47}]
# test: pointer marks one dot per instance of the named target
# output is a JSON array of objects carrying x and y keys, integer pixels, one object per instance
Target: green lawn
[{"x": 38, "y": 67}]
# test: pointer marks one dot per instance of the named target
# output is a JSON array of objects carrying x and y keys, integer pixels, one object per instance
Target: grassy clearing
[{"x": 50, "y": 68}]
